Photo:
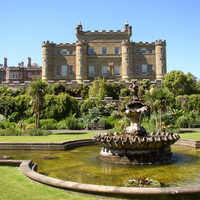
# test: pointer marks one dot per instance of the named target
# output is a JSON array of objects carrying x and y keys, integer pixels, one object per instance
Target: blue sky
[{"x": 26, "y": 23}]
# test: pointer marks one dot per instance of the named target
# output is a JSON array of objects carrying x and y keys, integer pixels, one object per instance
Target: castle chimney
[
  {"x": 29, "y": 62},
  {"x": 126, "y": 26},
  {"x": 5, "y": 62}
]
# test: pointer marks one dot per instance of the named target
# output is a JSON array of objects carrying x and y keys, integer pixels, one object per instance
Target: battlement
[
  {"x": 144, "y": 43},
  {"x": 47, "y": 43},
  {"x": 160, "y": 41}
]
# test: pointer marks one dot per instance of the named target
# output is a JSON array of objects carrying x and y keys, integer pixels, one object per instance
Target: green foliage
[
  {"x": 30, "y": 120},
  {"x": 124, "y": 92},
  {"x": 114, "y": 89},
  {"x": 14, "y": 117},
  {"x": 57, "y": 88},
  {"x": 122, "y": 124},
  {"x": 60, "y": 106},
  {"x": 182, "y": 122},
  {"x": 109, "y": 122},
  {"x": 99, "y": 88},
  {"x": 47, "y": 124},
  {"x": 144, "y": 86},
  {"x": 90, "y": 103},
  {"x": 21, "y": 132},
  {"x": 72, "y": 123},
  {"x": 179, "y": 83},
  {"x": 6, "y": 124}
]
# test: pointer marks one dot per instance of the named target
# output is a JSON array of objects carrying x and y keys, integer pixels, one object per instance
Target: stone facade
[
  {"x": 103, "y": 54},
  {"x": 19, "y": 74}
]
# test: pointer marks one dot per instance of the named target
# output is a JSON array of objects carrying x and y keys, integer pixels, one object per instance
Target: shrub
[
  {"x": 47, "y": 124},
  {"x": 72, "y": 123},
  {"x": 30, "y": 120},
  {"x": 38, "y": 132},
  {"x": 14, "y": 117},
  {"x": 109, "y": 122},
  {"x": 6, "y": 124},
  {"x": 122, "y": 124},
  {"x": 182, "y": 122}
]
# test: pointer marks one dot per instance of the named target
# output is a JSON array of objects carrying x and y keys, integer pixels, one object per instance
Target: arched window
[
  {"x": 144, "y": 68},
  {"x": 64, "y": 69},
  {"x": 91, "y": 71},
  {"x": 104, "y": 71}
]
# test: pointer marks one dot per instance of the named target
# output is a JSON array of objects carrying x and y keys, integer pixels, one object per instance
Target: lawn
[{"x": 190, "y": 134}]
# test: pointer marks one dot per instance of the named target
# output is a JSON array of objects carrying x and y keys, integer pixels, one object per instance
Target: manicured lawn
[
  {"x": 194, "y": 135},
  {"x": 55, "y": 137},
  {"x": 15, "y": 186}
]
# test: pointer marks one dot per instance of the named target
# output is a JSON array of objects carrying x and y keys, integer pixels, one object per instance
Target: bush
[
  {"x": 47, "y": 124},
  {"x": 182, "y": 122},
  {"x": 30, "y": 120},
  {"x": 122, "y": 124},
  {"x": 14, "y": 117},
  {"x": 6, "y": 124},
  {"x": 72, "y": 123},
  {"x": 109, "y": 122},
  {"x": 38, "y": 132}
]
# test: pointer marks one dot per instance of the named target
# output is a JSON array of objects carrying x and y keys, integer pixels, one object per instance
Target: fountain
[{"x": 135, "y": 145}]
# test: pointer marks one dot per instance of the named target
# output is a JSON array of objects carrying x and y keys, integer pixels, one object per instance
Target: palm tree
[
  {"x": 38, "y": 89},
  {"x": 158, "y": 99}
]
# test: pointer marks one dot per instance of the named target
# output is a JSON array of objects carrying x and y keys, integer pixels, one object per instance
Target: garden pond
[{"x": 84, "y": 166}]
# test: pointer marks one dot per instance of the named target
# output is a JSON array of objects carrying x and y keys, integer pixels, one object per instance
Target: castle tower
[
  {"x": 47, "y": 61},
  {"x": 5, "y": 62},
  {"x": 81, "y": 61},
  {"x": 126, "y": 60},
  {"x": 160, "y": 58}
]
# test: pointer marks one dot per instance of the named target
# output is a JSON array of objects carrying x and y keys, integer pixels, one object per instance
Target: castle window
[
  {"x": 57, "y": 70},
  {"x": 81, "y": 51},
  {"x": 137, "y": 69},
  {"x": 71, "y": 52},
  {"x": 29, "y": 74},
  {"x": 57, "y": 52},
  {"x": 116, "y": 50},
  {"x": 150, "y": 69},
  {"x": 81, "y": 70},
  {"x": 104, "y": 50},
  {"x": 150, "y": 51},
  {"x": 137, "y": 51},
  {"x": 91, "y": 70},
  {"x": 144, "y": 68},
  {"x": 104, "y": 71},
  {"x": 144, "y": 51},
  {"x": 47, "y": 51},
  {"x": 91, "y": 51},
  {"x": 127, "y": 50},
  {"x": 64, "y": 52},
  {"x": 71, "y": 71},
  {"x": 128, "y": 70},
  {"x": 117, "y": 70},
  {"x": 161, "y": 50},
  {"x": 163, "y": 70},
  {"x": 64, "y": 69},
  {"x": 127, "y": 59},
  {"x": 13, "y": 75}
]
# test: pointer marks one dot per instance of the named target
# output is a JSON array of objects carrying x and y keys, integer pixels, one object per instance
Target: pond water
[{"x": 83, "y": 165}]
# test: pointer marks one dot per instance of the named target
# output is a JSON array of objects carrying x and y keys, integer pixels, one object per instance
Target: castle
[{"x": 103, "y": 54}]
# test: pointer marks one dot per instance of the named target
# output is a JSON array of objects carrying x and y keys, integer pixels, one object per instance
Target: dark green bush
[
  {"x": 48, "y": 124},
  {"x": 14, "y": 117},
  {"x": 182, "y": 122},
  {"x": 72, "y": 123}
]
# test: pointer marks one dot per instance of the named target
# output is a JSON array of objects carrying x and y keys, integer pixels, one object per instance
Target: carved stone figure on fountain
[{"x": 136, "y": 108}]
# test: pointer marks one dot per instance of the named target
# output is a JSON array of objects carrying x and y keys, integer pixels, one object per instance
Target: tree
[
  {"x": 99, "y": 88},
  {"x": 179, "y": 83},
  {"x": 38, "y": 89},
  {"x": 158, "y": 99}
]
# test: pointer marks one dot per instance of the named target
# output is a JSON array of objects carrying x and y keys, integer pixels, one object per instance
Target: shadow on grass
[
  {"x": 189, "y": 131},
  {"x": 70, "y": 133}
]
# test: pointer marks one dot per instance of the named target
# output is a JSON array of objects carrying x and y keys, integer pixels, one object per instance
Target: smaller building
[{"x": 20, "y": 73}]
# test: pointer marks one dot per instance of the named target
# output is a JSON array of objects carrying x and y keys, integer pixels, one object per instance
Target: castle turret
[
  {"x": 160, "y": 57},
  {"x": 81, "y": 61},
  {"x": 29, "y": 62},
  {"x": 126, "y": 60},
  {"x": 48, "y": 70}
]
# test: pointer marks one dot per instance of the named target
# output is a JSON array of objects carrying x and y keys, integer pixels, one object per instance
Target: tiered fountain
[{"x": 135, "y": 145}]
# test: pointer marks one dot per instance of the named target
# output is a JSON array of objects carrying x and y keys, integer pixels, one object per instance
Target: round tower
[
  {"x": 81, "y": 61},
  {"x": 126, "y": 60},
  {"x": 160, "y": 57},
  {"x": 47, "y": 60}
]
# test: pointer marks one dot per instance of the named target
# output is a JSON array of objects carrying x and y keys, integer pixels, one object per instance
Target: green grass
[
  {"x": 194, "y": 135},
  {"x": 55, "y": 137},
  {"x": 15, "y": 186}
]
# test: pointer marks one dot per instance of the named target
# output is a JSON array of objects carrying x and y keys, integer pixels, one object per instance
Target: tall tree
[
  {"x": 180, "y": 83},
  {"x": 38, "y": 89}
]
